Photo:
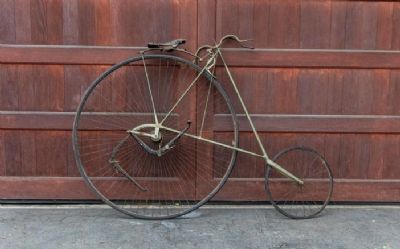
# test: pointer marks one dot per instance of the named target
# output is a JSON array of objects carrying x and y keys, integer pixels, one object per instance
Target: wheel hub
[{"x": 157, "y": 137}]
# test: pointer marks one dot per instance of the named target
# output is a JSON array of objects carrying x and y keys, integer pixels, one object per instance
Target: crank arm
[
  {"x": 145, "y": 146},
  {"x": 117, "y": 167},
  {"x": 171, "y": 144}
]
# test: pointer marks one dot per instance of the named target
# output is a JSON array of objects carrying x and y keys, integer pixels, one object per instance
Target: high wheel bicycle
[{"x": 144, "y": 143}]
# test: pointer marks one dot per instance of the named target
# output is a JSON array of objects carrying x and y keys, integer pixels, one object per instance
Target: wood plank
[
  {"x": 311, "y": 92},
  {"x": 235, "y": 17},
  {"x": 264, "y": 122},
  {"x": 137, "y": 22},
  {"x": 46, "y": 22},
  {"x": 87, "y": 22},
  {"x": 366, "y": 156},
  {"x": 187, "y": 13},
  {"x": 246, "y": 166},
  {"x": 344, "y": 190},
  {"x": 394, "y": 87},
  {"x": 51, "y": 150},
  {"x": 390, "y": 166},
  {"x": 65, "y": 55},
  {"x": 23, "y": 22},
  {"x": 7, "y": 21},
  {"x": 338, "y": 24},
  {"x": 103, "y": 22},
  {"x": 385, "y": 25},
  {"x": 2, "y": 154},
  {"x": 76, "y": 80},
  {"x": 315, "y": 24},
  {"x": 75, "y": 188},
  {"x": 396, "y": 23},
  {"x": 305, "y": 24},
  {"x": 241, "y": 190},
  {"x": 316, "y": 123},
  {"x": 38, "y": 188},
  {"x": 26, "y": 89},
  {"x": 49, "y": 88},
  {"x": 361, "y": 25},
  {"x": 284, "y": 25},
  {"x": 64, "y": 120},
  {"x": 366, "y": 191},
  {"x": 378, "y": 157},
  {"x": 70, "y": 22},
  {"x": 38, "y": 22},
  {"x": 205, "y": 34},
  {"x": 261, "y": 21},
  {"x": 12, "y": 153},
  {"x": 100, "y": 55},
  {"x": 71, "y": 164},
  {"x": 54, "y": 22},
  {"x": 28, "y": 153},
  {"x": 314, "y": 58},
  {"x": 9, "y": 99}
]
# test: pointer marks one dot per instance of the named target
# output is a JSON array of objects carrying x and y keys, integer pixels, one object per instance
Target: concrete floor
[{"x": 347, "y": 227}]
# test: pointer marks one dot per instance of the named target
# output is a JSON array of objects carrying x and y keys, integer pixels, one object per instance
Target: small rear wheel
[{"x": 292, "y": 199}]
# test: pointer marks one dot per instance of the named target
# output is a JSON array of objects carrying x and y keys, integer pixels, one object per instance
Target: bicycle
[{"x": 144, "y": 140}]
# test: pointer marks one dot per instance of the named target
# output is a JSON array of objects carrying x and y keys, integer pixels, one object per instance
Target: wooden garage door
[{"x": 325, "y": 74}]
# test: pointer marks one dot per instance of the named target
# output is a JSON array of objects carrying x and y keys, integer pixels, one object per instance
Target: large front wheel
[{"x": 125, "y": 169}]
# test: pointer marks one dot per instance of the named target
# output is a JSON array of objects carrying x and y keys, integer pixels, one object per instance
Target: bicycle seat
[{"x": 167, "y": 46}]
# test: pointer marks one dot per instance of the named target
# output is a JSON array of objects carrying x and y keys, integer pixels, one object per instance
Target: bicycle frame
[
  {"x": 213, "y": 56},
  {"x": 271, "y": 163}
]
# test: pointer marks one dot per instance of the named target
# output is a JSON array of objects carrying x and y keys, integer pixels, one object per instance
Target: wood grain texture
[
  {"x": 315, "y": 91},
  {"x": 7, "y": 20},
  {"x": 38, "y": 188},
  {"x": 351, "y": 156},
  {"x": 46, "y": 22},
  {"x": 12, "y": 153},
  {"x": 28, "y": 153},
  {"x": 344, "y": 190},
  {"x": 315, "y": 24},
  {"x": 34, "y": 153},
  {"x": 310, "y": 24},
  {"x": 81, "y": 55},
  {"x": 2, "y": 154},
  {"x": 67, "y": 188},
  {"x": 8, "y": 88},
  {"x": 101, "y": 22},
  {"x": 317, "y": 123},
  {"x": 324, "y": 74},
  {"x": 263, "y": 123},
  {"x": 51, "y": 150}
]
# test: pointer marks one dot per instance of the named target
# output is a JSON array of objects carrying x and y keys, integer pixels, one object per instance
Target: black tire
[
  {"x": 300, "y": 201},
  {"x": 122, "y": 194}
]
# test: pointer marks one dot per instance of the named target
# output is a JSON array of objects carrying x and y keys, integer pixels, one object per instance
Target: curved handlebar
[
  {"x": 209, "y": 48},
  {"x": 235, "y": 38}
]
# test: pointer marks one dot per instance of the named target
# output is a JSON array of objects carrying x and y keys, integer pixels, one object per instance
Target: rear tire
[{"x": 300, "y": 201}]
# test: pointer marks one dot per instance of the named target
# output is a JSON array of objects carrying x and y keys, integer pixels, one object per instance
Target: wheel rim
[
  {"x": 291, "y": 199},
  {"x": 102, "y": 121}
]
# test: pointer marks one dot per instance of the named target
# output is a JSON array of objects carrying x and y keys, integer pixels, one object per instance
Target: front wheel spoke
[
  {"x": 182, "y": 96},
  {"x": 149, "y": 87},
  {"x": 179, "y": 179}
]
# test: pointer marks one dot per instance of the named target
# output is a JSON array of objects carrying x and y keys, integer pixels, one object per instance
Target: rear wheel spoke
[{"x": 294, "y": 200}]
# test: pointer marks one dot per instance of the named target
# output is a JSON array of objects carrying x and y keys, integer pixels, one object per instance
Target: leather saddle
[{"x": 167, "y": 46}]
